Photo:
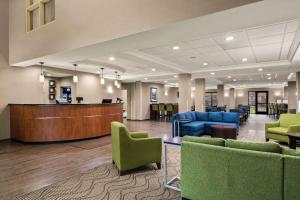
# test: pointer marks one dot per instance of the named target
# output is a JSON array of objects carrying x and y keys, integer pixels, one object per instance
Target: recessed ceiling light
[
  {"x": 153, "y": 69},
  {"x": 98, "y": 72},
  {"x": 205, "y": 63},
  {"x": 176, "y": 48},
  {"x": 212, "y": 73},
  {"x": 193, "y": 57},
  {"x": 234, "y": 79},
  {"x": 165, "y": 81},
  {"x": 244, "y": 59},
  {"x": 268, "y": 74},
  {"x": 175, "y": 76},
  {"x": 229, "y": 38},
  {"x": 260, "y": 69},
  {"x": 269, "y": 78},
  {"x": 112, "y": 58},
  {"x": 146, "y": 78},
  {"x": 49, "y": 74},
  {"x": 228, "y": 76}
]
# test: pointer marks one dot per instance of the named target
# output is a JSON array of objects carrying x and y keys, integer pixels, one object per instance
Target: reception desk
[{"x": 53, "y": 122}]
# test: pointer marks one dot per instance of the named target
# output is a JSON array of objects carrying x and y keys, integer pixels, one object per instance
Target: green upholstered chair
[
  {"x": 213, "y": 169},
  {"x": 154, "y": 111},
  {"x": 287, "y": 123},
  {"x": 133, "y": 149},
  {"x": 169, "y": 109}
]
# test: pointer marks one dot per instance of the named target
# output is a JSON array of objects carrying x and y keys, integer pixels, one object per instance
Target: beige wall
[
  {"x": 107, "y": 20},
  {"x": 138, "y": 98}
]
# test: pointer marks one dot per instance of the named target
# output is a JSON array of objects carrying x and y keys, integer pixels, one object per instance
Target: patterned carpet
[{"x": 105, "y": 183}]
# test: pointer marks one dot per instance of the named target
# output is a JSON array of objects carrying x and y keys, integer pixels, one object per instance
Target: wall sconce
[
  {"x": 42, "y": 77},
  {"x": 110, "y": 89},
  {"x": 75, "y": 77},
  {"x": 277, "y": 94},
  {"x": 240, "y": 94},
  {"x": 226, "y": 95},
  {"x": 166, "y": 93}
]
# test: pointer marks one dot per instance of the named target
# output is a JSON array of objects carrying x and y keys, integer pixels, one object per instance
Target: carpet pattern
[{"x": 105, "y": 183}]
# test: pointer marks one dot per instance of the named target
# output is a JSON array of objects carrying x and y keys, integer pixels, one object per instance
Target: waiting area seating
[
  {"x": 214, "y": 168},
  {"x": 162, "y": 111},
  {"x": 215, "y": 109},
  {"x": 199, "y": 123},
  {"x": 133, "y": 149},
  {"x": 287, "y": 123},
  {"x": 276, "y": 109}
]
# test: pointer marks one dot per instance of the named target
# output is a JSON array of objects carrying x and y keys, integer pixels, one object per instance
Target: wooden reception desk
[{"x": 53, "y": 122}]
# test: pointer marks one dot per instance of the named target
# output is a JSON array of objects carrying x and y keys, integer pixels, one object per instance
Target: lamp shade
[
  {"x": 42, "y": 78},
  {"x": 75, "y": 79}
]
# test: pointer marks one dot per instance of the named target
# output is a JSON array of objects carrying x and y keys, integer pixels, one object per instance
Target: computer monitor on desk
[{"x": 106, "y": 100}]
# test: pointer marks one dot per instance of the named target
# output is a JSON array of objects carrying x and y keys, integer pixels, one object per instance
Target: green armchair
[
  {"x": 133, "y": 149},
  {"x": 279, "y": 130}
]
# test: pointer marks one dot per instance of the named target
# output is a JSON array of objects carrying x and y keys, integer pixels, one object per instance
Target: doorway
[{"x": 258, "y": 102}]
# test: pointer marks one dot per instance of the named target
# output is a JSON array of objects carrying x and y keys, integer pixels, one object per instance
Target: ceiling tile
[
  {"x": 240, "y": 40},
  {"x": 239, "y": 54},
  {"x": 277, "y": 29},
  {"x": 266, "y": 40},
  {"x": 267, "y": 53},
  {"x": 219, "y": 58}
]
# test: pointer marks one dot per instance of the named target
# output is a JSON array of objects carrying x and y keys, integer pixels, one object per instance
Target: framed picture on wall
[
  {"x": 51, "y": 90},
  {"x": 52, "y": 83},
  {"x": 153, "y": 94},
  {"x": 51, "y": 96}
]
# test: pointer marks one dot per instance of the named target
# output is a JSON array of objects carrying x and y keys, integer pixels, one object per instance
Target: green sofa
[
  {"x": 287, "y": 123},
  {"x": 215, "y": 169},
  {"x": 133, "y": 149}
]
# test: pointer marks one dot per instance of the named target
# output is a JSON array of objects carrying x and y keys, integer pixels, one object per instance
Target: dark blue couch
[{"x": 201, "y": 121}]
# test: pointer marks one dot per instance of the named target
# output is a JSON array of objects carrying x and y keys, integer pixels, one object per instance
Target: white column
[
  {"x": 291, "y": 94},
  {"x": 199, "y": 94},
  {"x": 220, "y": 97},
  {"x": 298, "y": 90},
  {"x": 185, "y": 100},
  {"x": 232, "y": 98}
]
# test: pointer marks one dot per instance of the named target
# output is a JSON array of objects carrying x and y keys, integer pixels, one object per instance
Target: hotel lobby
[{"x": 139, "y": 99}]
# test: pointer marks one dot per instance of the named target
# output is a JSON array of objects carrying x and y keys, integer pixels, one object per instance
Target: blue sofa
[{"x": 201, "y": 122}]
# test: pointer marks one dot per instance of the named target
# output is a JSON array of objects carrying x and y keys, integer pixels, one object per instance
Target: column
[
  {"x": 199, "y": 94},
  {"x": 285, "y": 93},
  {"x": 232, "y": 98},
  {"x": 220, "y": 97},
  {"x": 298, "y": 90},
  {"x": 291, "y": 94},
  {"x": 185, "y": 100}
]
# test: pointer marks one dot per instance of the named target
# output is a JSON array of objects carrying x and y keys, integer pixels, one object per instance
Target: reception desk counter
[{"x": 53, "y": 122}]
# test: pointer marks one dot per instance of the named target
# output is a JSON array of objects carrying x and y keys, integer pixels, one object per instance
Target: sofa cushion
[
  {"x": 193, "y": 126},
  {"x": 189, "y": 116},
  {"x": 290, "y": 152},
  {"x": 215, "y": 116},
  {"x": 181, "y": 116},
  {"x": 278, "y": 130},
  {"x": 220, "y": 123},
  {"x": 205, "y": 140},
  {"x": 193, "y": 114},
  {"x": 255, "y": 146},
  {"x": 231, "y": 117},
  {"x": 287, "y": 120},
  {"x": 201, "y": 116}
]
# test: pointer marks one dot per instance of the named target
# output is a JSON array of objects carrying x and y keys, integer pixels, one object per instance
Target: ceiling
[{"x": 254, "y": 56}]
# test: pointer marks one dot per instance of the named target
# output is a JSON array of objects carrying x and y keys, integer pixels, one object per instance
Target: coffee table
[
  {"x": 224, "y": 131},
  {"x": 294, "y": 140},
  {"x": 175, "y": 141}
]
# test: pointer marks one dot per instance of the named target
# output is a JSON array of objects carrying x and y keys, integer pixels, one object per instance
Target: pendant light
[
  {"x": 42, "y": 77},
  {"x": 102, "y": 80},
  {"x": 116, "y": 80},
  {"x": 119, "y": 83},
  {"x": 75, "y": 77}
]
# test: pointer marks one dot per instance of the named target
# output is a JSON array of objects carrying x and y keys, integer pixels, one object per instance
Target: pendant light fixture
[
  {"x": 42, "y": 77},
  {"x": 75, "y": 77},
  {"x": 116, "y": 80},
  {"x": 102, "y": 80},
  {"x": 119, "y": 82}
]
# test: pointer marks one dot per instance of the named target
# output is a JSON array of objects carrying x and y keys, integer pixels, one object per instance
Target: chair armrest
[
  {"x": 272, "y": 124},
  {"x": 147, "y": 142},
  {"x": 294, "y": 129},
  {"x": 138, "y": 134}
]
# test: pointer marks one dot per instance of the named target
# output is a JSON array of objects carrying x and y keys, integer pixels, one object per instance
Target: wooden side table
[
  {"x": 224, "y": 131},
  {"x": 294, "y": 140}
]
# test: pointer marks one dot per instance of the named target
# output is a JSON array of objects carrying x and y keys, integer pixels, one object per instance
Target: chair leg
[
  {"x": 267, "y": 139},
  {"x": 158, "y": 165},
  {"x": 113, "y": 162},
  {"x": 122, "y": 173}
]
